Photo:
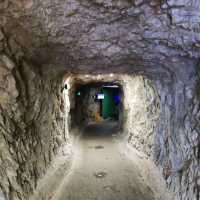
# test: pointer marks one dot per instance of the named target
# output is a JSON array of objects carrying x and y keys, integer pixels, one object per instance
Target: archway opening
[{"x": 97, "y": 103}]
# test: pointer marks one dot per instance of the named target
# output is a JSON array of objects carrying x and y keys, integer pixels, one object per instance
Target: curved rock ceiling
[{"x": 105, "y": 35}]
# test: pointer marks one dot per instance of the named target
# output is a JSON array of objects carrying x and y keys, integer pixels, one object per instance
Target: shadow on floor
[{"x": 101, "y": 130}]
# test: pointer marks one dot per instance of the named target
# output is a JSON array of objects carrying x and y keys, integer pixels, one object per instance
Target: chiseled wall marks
[{"x": 31, "y": 127}]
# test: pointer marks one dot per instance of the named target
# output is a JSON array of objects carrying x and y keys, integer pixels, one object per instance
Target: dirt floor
[{"x": 100, "y": 171}]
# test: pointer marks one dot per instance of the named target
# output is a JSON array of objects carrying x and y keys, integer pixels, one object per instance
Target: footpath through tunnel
[{"x": 103, "y": 166}]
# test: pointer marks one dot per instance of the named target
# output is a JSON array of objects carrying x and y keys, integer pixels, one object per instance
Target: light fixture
[{"x": 110, "y": 86}]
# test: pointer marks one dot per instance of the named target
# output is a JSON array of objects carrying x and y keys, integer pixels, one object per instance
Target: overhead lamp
[{"x": 111, "y": 86}]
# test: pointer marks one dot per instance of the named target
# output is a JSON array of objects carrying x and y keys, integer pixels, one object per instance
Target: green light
[{"x": 78, "y": 93}]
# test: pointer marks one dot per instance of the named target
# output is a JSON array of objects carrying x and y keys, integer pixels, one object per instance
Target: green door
[{"x": 108, "y": 103}]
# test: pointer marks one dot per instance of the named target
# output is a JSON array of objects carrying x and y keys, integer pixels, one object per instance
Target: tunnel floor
[{"x": 101, "y": 171}]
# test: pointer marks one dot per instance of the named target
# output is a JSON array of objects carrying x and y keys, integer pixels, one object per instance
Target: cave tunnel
[
  {"x": 98, "y": 108},
  {"x": 99, "y": 100}
]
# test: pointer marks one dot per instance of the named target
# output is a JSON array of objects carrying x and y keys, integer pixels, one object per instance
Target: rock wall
[
  {"x": 92, "y": 107},
  {"x": 31, "y": 122},
  {"x": 162, "y": 121},
  {"x": 176, "y": 150},
  {"x": 142, "y": 108}
]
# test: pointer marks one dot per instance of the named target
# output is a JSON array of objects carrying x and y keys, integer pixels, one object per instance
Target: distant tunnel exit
[{"x": 97, "y": 102}]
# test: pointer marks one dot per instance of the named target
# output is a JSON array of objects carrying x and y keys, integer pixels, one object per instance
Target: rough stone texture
[
  {"x": 174, "y": 140},
  {"x": 143, "y": 109},
  {"x": 178, "y": 141},
  {"x": 90, "y": 108},
  {"x": 93, "y": 108},
  {"x": 31, "y": 125},
  {"x": 85, "y": 108},
  {"x": 108, "y": 35},
  {"x": 156, "y": 38},
  {"x": 171, "y": 137}
]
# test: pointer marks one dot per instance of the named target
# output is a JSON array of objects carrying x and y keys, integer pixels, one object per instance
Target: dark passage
[{"x": 96, "y": 103}]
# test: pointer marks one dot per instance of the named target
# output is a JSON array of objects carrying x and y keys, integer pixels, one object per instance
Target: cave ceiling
[{"x": 104, "y": 35}]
